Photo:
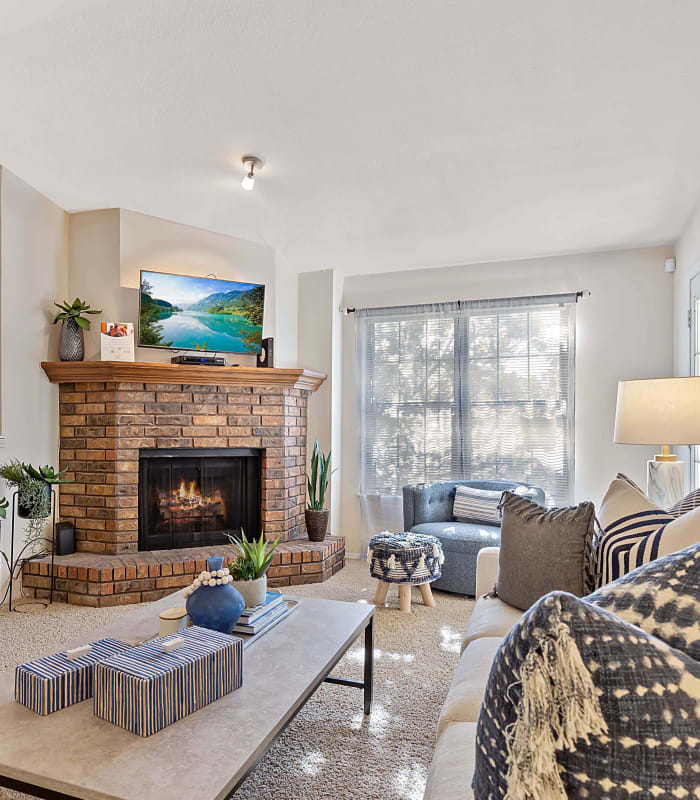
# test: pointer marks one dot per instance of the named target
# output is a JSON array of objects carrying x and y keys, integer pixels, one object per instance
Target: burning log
[{"x": 188, "y": 503}]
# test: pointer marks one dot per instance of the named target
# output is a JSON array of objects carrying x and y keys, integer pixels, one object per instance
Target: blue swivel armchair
[{"x": 427, "y": 508}]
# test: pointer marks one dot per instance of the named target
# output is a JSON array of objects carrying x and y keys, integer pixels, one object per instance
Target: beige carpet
[{"x": 331, "y": 750}]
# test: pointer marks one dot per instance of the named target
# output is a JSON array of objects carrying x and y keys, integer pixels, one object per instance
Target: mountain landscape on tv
[{"x": 178, "y": 312}]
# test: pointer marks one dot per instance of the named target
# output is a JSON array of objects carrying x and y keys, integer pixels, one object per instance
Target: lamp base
[{"x": 665, "y": 482}]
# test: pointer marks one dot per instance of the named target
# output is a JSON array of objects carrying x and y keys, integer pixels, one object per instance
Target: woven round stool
[{"x": 407, "y": 559}]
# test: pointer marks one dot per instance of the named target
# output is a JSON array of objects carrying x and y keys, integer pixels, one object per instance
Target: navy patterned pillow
[
  {"x": 662, "y": 598},
  {"x": 581, "y": 703}
]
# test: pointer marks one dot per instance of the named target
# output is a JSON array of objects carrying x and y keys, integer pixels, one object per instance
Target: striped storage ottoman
[
  {"x": 55, "y": 682},
  {"x": 406, "y": 559},
  {"x": 146, "y": 689}
]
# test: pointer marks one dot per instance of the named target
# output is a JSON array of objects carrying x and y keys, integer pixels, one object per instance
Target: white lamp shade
[{"x": 658, "y": 411}]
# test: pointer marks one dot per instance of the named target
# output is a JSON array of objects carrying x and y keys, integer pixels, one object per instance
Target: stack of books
[{"x": 255, "y": 620}]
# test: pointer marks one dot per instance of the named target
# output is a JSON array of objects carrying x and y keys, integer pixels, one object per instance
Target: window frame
[{"x": 461, "y": 404}]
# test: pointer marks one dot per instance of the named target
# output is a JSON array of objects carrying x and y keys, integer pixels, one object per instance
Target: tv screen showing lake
[{"x": 186, "y": 313}]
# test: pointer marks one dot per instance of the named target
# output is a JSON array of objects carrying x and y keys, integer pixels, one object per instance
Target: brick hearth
[
  {"x": 105, "y": 423},
  {"x": 106, "y": 580}
]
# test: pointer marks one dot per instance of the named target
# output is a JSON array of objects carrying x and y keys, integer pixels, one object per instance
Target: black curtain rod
[{"x": 581, "y": 293}]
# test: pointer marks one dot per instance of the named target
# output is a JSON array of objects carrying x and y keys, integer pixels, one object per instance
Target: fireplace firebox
[{"x": 194, "y": 497}]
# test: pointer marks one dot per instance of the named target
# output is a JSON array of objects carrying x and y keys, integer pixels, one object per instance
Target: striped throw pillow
[
  {"x": 476, "y": 505},
  {"x": 635, "y": 532},
  {"x": 688, "y": 503},
  {"x": 622, "y": 477}
]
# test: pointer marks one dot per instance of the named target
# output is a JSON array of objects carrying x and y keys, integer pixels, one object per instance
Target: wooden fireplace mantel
[{"x": 148, "y": 372}]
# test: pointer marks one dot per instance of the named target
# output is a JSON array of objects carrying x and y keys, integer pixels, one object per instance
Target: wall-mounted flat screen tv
[{"x": 182, "y": 312}]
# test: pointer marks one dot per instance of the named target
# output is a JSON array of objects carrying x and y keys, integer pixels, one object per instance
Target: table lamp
[{"x": 660, "y": 411}]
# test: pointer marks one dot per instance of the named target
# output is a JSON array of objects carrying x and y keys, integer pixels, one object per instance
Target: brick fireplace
[{"x": 129, "y": 410}]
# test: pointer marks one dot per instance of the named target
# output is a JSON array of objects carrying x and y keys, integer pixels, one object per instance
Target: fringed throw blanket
[{"x": 583, "y": 704}]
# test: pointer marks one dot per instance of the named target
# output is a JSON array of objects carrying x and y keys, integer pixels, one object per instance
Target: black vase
[{"x": 72, "y": 344}]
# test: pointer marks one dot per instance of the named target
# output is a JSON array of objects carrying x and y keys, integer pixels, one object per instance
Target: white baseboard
[{"x": 352, "y": 555}]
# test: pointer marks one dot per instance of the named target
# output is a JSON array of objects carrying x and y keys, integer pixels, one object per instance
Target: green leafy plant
[
  {"x": 12, "y": 473},
  {"x": 254, "y": 557},
  {"x": 34, "y": 497},
  {"x": 75, "y": 310},
  {"x": 34, "y": 500},
  {"x": 33, "y": 486},
  {"x": 46, "y": 474},
  {"x": 317, "y": 480}
]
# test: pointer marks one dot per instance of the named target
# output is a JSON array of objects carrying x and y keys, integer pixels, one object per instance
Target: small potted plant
[
  {"x": 249, "y": 570},
  {"x": 72, "y": 344},
  {"x": 317, "y": 483},
  {"x": 34, "y": 492}
]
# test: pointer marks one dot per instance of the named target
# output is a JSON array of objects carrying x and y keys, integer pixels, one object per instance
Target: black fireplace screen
[{"x": 189, "y": 498}]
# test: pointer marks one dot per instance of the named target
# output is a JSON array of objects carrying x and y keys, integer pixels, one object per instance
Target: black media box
[{"x": 207, "y": 361}]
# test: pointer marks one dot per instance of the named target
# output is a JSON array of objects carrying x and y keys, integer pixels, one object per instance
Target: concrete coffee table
[{"x": 207, "y": 755}]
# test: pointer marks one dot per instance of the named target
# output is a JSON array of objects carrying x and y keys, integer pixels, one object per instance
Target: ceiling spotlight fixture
[{"x": 251, "y": 163}]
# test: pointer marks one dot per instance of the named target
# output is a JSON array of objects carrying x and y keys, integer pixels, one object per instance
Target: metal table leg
[
  {"x": 369, "y": 665},
  {"x": 367, "y": 684}
]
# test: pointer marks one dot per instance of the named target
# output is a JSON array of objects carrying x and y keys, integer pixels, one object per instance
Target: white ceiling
[{"x": 396, "y": 132}]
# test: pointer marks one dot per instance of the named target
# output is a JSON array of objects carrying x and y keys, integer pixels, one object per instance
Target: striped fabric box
[
  {"x": 145, "y": 689},
  {"x": 53, "y": 682}
]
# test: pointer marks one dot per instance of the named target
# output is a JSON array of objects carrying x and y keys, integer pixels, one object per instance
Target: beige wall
[
  {"x": 109, "y": 248},
  {"x": 286, "y": 308},
  {"x": 624, "y": 330},
  {"x": 319, "y": 345},
  {"x": 33, "y": 273}
]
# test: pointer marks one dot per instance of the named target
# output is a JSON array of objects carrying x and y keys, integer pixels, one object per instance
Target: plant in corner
[
  {"x": 72, "y": 345},
  {"x": 317, "y": 484},
  {"x": 34, "y": 491},
  {"x": 33, "y": 500},
  {"x": 249, "y": 570}
]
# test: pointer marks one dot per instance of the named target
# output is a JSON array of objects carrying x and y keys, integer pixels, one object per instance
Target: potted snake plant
[
  {"x": 249, "y": 570},
  {"x": 317, "y": 484}
]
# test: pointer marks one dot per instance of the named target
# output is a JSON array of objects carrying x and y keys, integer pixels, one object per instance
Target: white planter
[{"x": 253, "y": 591}]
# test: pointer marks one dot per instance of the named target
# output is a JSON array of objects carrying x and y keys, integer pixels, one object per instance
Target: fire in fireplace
[
  {"x": 186, "y": 504},
  {"x": 194, "y": 497}
]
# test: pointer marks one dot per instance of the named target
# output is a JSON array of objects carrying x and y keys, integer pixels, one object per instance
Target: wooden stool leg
[
  {"x": 380, "y": 594},
  {"x": 405, "y": 597},
  {"x": 427, "y": 595}
]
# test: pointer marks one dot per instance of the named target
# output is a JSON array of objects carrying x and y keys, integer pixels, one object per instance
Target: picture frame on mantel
[{"x": 117, "y": 341}]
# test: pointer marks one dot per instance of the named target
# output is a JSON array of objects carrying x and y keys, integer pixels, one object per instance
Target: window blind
[{"x": 468, "y": 390}]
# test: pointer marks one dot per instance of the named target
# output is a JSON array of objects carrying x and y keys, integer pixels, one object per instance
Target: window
[{"x": 480, "y": 390}]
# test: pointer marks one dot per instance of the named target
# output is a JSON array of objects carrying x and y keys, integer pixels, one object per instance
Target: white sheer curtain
[{"x": 472, "y": 389}]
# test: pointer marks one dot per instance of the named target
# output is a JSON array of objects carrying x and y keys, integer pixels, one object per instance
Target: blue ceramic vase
[{"x": 215, "y": 607}]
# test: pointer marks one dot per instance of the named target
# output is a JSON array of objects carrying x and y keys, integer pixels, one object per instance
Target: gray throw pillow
[{"x": 544, "y": 550}]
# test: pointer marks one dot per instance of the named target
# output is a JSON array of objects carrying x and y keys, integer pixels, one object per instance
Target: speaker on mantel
[{"x": 266, "y": 357}]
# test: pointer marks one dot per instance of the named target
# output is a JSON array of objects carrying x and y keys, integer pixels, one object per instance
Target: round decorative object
[
  {"x": 254, "y": 592},
  {"x": 217, "y": 606},
  {"x": 72, "y": 344},
  {"x": 172, "y": 620},
  {"x": 316, "y": 524},
  {"x": 405, "y": 557}
]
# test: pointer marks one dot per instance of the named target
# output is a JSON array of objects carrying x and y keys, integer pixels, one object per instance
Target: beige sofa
[{"x": 452, "y": 766}]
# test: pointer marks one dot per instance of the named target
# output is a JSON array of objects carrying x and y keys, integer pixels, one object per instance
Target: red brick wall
[{"x": 103, "y": 426}]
